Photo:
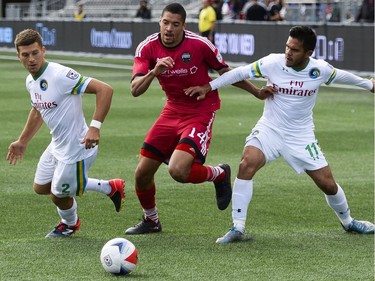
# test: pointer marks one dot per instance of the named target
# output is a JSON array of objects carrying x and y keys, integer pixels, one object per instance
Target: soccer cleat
[
  {"x": 360, "y": 227},
  {"x": 64, "y": 230},
  {"x": 233, "y": 235},
  {"x": 117, "y": 194},
  {"x": 224, "y": 189},
  {"x": 144, "y": 227}
]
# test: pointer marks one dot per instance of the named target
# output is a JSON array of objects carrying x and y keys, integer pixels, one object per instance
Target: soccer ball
[{"x": 119, "y": 256}]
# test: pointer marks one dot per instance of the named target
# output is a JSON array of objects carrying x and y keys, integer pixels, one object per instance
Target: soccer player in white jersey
[
  {"x": 286, "y": 128},
  {"x": 56, "y": 98}
]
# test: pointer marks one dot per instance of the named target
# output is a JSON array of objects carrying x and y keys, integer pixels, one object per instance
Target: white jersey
[
  {"x": 57, "y": 94},
  {"x": 291, "y": 108}
]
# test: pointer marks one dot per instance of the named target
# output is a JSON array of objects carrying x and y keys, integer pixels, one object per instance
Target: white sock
[
  {"x": 339, "y": 204},
  {"x": 101, "y": 186},
  {"x": 241, "y": 197},
  {"x": 69, "y": 216}
]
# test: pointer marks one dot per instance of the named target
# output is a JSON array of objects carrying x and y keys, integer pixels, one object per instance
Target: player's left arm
[
  {"x": 345, "y": 77},
  {"x": 104, "y": 93}
]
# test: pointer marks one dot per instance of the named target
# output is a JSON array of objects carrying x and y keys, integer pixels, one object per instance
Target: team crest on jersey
[
  {"x": 219, "y": 57},
  {"x": 72, "y": 75},
  {"x": 43, "y": 85},
  {"x": 314, "y": 73},
  {"x": 186, "y": 57}
]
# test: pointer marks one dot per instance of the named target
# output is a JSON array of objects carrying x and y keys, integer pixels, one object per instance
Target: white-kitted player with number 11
[{"x": 286, "y": 128}]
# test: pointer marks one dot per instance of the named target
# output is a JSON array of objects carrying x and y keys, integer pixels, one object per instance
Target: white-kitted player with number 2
[
  {"x": 286, "y": 128},
  {"x": 56, "y": 98}
]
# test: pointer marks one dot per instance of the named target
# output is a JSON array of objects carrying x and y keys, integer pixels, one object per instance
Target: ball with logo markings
[{"x": 119, "y": 256}]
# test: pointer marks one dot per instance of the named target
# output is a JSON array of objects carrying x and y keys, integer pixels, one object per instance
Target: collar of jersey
[
  {"x": 301, "y": 68},
  {"x": 41, "y": 71},
  {"x": 183, "y": 38}
]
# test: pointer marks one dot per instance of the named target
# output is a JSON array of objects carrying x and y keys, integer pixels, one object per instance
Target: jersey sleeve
[
  {"x": 345, "y": 77},
  {"x": 230, "y": 77},
  {"x": 72, "y": 82},
  {"x": 142, "y": 57},
  {"x": 141, "y": 66},
  {"x": 262, "y": 67},
  {"x": 213, "y": 56}
]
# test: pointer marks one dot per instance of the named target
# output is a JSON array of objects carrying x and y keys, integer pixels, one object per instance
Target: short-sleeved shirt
[
  {"x": 56, "y": 92},
  {"x": 291, "y": 109},
  {"x": 193, "y": 58},
  {"x": 207, "y": 17}
]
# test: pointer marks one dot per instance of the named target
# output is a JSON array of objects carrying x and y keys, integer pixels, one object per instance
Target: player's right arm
[
  {"x": 16, "y": 149},
  {"x": 140, "y": 84}
]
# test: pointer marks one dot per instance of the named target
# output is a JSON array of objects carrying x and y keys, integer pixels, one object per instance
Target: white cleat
[
  {"x": 360, "y": 227},
  {"x": 233, "y": 235}
]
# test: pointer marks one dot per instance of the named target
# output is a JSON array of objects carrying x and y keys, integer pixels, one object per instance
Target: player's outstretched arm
[
  {"x": 345, "y": 77},
  {"x": 17, "y": 149}
]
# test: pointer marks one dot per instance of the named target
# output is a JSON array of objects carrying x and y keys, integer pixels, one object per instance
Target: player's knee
[
  {"x": 178, "y": 174},
  {"x": 329, "y": 187},
  {"x": 143, "y": 178},
  {"x": 42, "y": 189},
  {"x": 246, "y": 170}
]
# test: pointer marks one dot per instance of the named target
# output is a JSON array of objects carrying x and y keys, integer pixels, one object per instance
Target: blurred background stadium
[
  {"x": 111, "y": 28},
  {"x": 343, "y": 11}
]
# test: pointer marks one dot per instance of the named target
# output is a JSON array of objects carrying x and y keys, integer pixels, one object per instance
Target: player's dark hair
[
  {"x": 306, "y": 35},
  {"x": 175, "y": 8},
  {"x": 28, "y": 37}
]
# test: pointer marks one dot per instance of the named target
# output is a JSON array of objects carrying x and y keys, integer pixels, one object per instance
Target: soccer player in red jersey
[{"x": 181, "y": 135}]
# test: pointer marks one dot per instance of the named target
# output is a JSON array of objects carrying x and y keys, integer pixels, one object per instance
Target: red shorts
[{"x": 172, "y": 128}]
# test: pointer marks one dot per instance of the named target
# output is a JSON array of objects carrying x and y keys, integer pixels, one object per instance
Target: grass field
[{"x": 296, "y": 235}]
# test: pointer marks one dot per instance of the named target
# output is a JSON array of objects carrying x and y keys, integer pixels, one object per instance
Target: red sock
[
  {"x": 147, "y": 198},
  {"x": 200, "y": 173}
]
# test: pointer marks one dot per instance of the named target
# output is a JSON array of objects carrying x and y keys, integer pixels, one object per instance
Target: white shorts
[
  {"x": 67, "y": 180},
  {"x": 301, "y": 152}
]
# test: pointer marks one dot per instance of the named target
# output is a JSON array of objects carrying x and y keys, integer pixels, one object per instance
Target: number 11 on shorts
[{"x": 313, "y": 150}]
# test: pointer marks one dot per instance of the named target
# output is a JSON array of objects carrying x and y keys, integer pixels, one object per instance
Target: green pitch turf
[{"x": 296, "y": 235}]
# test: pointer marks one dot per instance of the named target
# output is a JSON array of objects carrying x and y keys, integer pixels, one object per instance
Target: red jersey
[{"x": 193, "y": 58}]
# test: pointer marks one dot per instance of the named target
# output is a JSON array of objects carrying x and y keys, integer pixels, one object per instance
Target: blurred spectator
[
  {"x": 237, "y": 8},
  {"x": 366, "y": 12},
  {"x": 207, "y": 20},
  {"x": 226, "y": 9},
  {"x": 80, "y": 14},
  {"x": 245, "y": 7},
  {"x": 275, "y": 10},
  {"x": 217, "y": 5},
  {"x": 332, "y": 12},
  {"x": 256, "y": 11},
  {"x": 143, "y": 11}
]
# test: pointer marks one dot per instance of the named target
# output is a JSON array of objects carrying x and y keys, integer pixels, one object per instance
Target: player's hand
[
  {"x": 15, "y": 152},
  {"x": 199, "y": 91},
  {"x": 266, "y": 92},
  {"x": 92, "y": 138},
  {"x": 162, "y": 65}
]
